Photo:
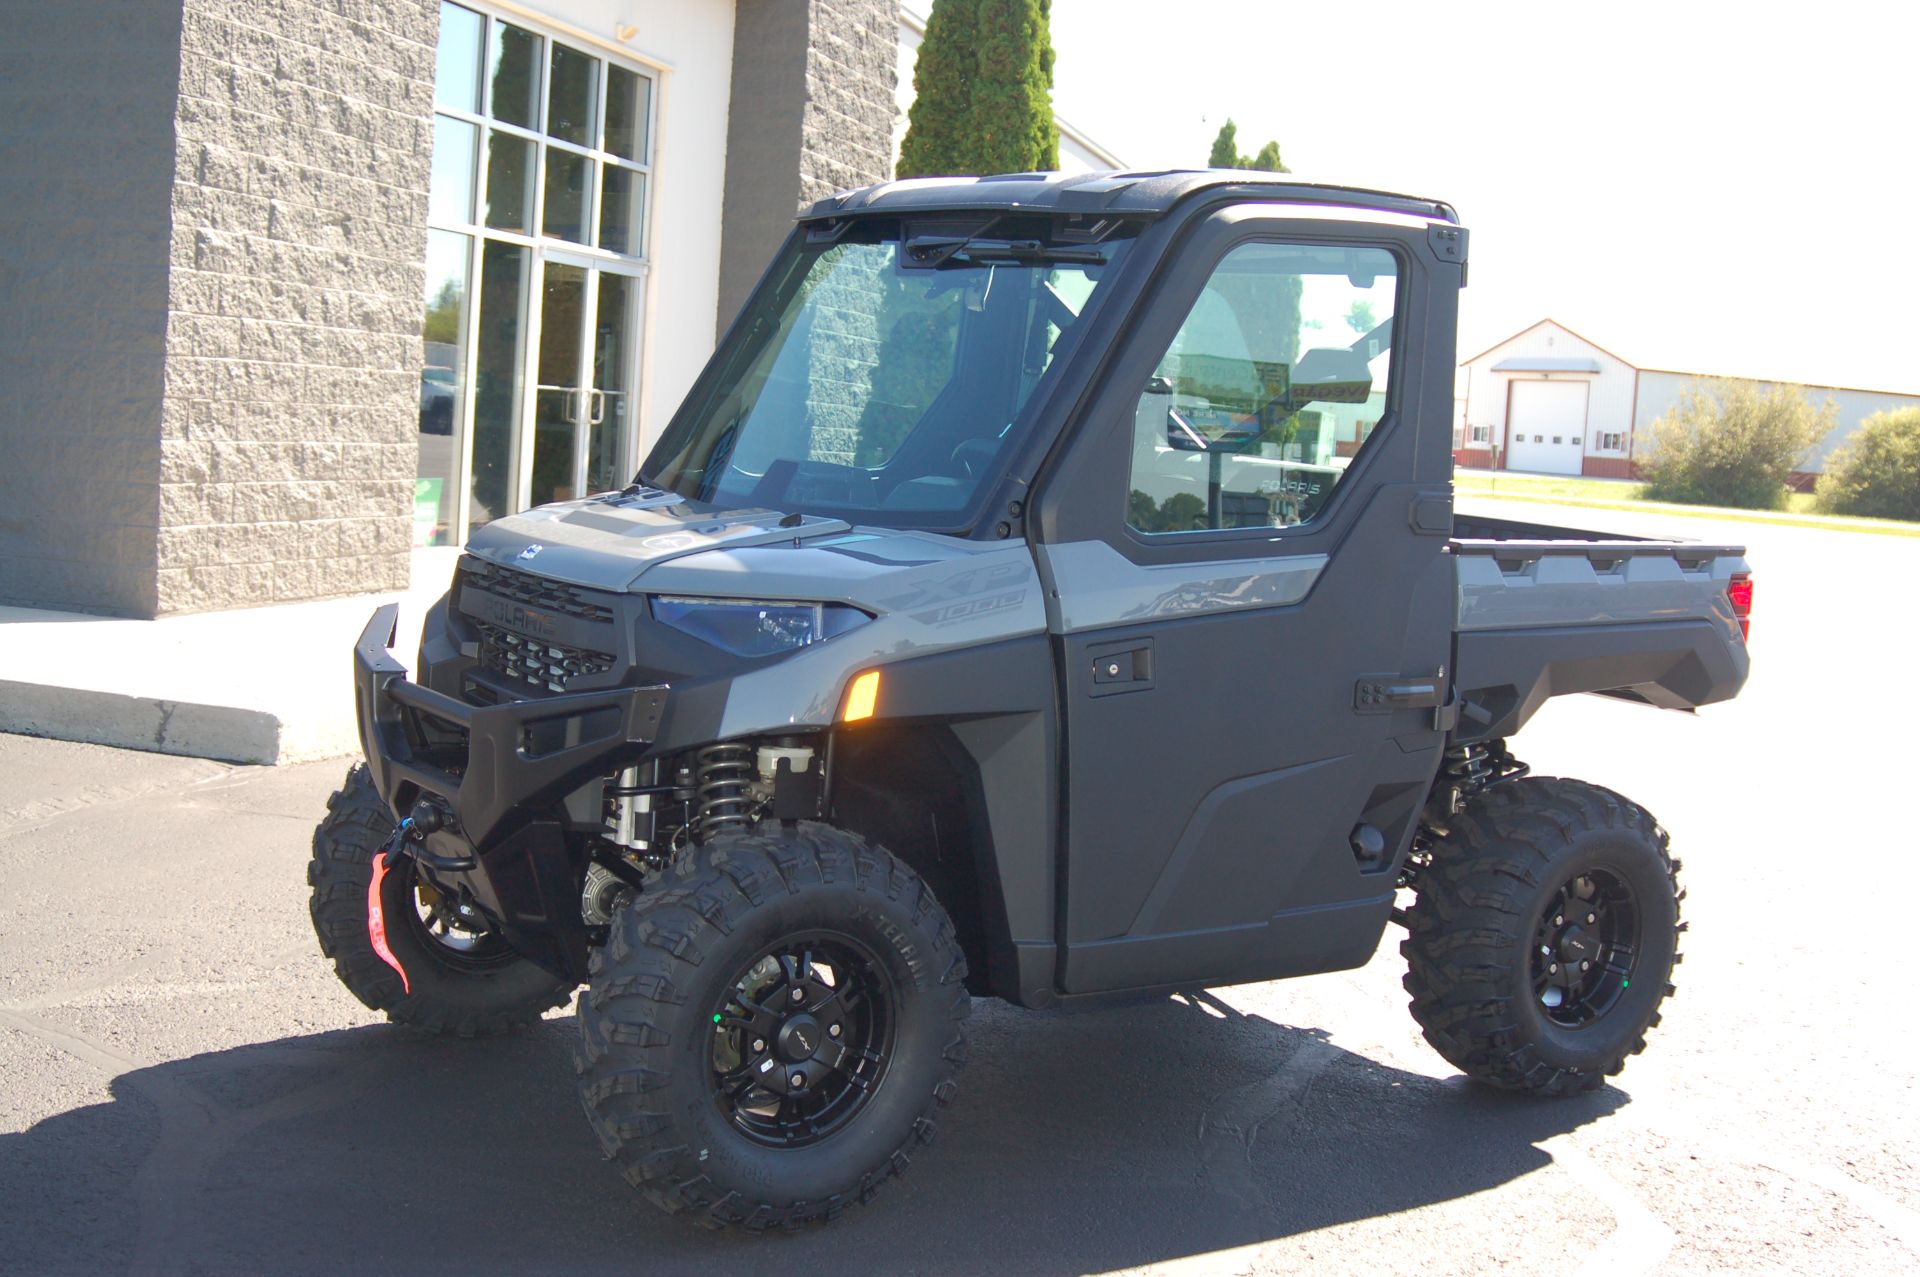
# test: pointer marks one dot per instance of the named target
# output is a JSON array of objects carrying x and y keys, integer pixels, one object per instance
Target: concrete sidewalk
[{"x": 258, "y": 685}]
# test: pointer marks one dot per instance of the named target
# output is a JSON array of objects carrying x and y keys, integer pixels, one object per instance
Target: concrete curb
[
  {"x": 257, "y": 685},
  {"x": 228, "y": 733}
]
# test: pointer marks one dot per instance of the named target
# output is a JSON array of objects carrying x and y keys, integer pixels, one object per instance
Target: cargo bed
[{"x": 1543, "y": 611}]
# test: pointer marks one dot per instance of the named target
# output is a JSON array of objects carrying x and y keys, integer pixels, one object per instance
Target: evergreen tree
[
  {"x": 1226, "y": 151},
  {"x": 983, "y": 91},
  {"x": 943, "y": 72}
]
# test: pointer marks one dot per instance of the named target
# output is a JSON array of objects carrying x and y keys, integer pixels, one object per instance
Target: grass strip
[{"x": 1873, "y": 527}]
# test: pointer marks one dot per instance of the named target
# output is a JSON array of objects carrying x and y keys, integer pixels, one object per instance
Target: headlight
[{"x": 748, "y": 628}]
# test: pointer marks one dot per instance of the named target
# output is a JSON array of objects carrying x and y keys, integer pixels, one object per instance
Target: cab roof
[{"x": 1111, "y": 191}]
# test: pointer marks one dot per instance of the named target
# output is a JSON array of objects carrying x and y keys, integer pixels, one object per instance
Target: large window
[
  {"x": 1269, "y": 389},
  {"x": 883, "y": 377},
  {"x": 537, "y": 216}
]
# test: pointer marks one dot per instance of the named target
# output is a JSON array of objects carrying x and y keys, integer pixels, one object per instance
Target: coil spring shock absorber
[
  {"x": 1467, "y": 767},
  {"x": 1465, "y": 770},
  {"x": 722, "y": 774}
]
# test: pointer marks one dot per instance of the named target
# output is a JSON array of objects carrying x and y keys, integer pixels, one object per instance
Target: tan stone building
[{"x": 289, "y": 288}]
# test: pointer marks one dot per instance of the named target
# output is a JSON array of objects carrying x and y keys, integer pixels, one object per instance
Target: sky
[{"x": 1728, "y": 189}]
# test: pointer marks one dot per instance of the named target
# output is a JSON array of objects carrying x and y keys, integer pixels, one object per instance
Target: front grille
[
  {"x": 534, "y": 591},
  {"x": 535, "y": 662}
]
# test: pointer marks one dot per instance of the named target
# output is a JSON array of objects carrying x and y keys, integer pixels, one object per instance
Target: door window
[{"x": 1267, "y": 392}]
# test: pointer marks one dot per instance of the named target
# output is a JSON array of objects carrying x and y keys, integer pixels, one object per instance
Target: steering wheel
[{"x": 971, "y": 457}]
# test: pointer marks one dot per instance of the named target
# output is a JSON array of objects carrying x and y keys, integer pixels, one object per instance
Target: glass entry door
[{"x": 582, "y": 412}]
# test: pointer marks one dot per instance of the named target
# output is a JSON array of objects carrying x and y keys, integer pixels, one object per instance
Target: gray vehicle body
[{"x": 1123, "y": 762}]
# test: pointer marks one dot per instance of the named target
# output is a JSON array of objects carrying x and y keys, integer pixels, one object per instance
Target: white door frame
[{"x": 594, "y": 266}]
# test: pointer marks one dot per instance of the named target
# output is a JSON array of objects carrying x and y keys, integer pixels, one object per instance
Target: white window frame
[{"x": 538, "y": 244}]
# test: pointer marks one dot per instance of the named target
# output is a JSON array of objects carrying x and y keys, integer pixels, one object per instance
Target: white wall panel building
[
  {"x": 1550, "y": 401},
  {"x": 1547, "y": 400}
]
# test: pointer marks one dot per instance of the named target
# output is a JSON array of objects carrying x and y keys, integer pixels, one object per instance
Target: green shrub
[
  {"x": 1733, "y": 443},
  {"x": 1876, "y": 472}
]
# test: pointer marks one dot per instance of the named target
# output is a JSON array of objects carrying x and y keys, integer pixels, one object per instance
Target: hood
[{"x": 608, "y": 542}]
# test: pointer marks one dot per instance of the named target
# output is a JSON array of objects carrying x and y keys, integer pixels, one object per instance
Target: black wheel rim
[
  {"x": 454, "y": 934},
  {"x": 802, "y": 1038},
  {"x": 1584, "y": 948}
]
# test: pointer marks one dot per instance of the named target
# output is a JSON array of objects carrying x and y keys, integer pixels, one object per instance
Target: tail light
[{"x": 1740, "y": 594}]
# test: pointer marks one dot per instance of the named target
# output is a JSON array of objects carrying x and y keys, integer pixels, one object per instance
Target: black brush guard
[{"x": 497, "y": 775}]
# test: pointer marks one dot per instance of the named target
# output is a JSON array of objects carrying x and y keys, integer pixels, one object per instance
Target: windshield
[{"x": 881, "y": 377}]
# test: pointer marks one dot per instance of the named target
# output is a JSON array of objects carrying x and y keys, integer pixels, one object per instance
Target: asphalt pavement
[{"x": 185, "y": 1089}]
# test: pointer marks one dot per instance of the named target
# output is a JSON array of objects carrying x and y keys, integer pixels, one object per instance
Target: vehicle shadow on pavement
[{"x": 1080, "y": 1142}]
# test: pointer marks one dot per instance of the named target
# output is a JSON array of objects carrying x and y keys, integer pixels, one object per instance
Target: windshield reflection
[{"x": 866, "y": 384}]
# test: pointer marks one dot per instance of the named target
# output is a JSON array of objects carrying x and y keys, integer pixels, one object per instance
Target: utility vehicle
[{"x": 1050, "y": 588}]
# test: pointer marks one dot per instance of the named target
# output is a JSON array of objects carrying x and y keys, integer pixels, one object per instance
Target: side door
[{"x": 1244, "y": 547}]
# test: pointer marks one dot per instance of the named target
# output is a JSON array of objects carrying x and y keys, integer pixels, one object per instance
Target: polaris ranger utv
[{"x": 1050, "y": 588}]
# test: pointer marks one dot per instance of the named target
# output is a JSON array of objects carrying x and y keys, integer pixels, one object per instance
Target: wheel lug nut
[
  {"x": 1590, "y": 919},
  {"x": 1553, "y": 968},
  {"x": 1585, "y": 965},
  {"x": 1559, "y": 920},
  {"x": 759, "y": 1044},
  {"x": 799, "y": 995},
  {"x": 833, "y": 1030},
  {"x": 799, "y": 1079},
  {"x": 1545, "y": 949}
]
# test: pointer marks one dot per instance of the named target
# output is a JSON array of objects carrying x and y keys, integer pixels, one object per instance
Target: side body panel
[{"x": 1218, "y": 766}]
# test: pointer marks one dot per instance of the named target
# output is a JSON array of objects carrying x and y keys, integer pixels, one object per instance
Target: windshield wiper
[{"x": 937, "y": 252}]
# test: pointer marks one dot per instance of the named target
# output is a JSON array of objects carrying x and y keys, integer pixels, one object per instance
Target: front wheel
[
  {"x": 769, "y": 1034},
  {"x": 1544, "y": 936},
  {"x": 465, "y": 980}
]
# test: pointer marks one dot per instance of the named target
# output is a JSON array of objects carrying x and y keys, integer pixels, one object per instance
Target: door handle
[
  {"x": 1121, "y": 667},
  {"x": 597, "y": 406},
  {"x": 1382, "y": 694},
  {"x": 1385, "y": 693}
]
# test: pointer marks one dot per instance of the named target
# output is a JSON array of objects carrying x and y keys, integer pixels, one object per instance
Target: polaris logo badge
[
  {"x": 530, "y": 551},
  {"x": 523, "y": 619}
]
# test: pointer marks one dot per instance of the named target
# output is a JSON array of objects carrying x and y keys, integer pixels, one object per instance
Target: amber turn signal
[{"x": 862, "y": 694}]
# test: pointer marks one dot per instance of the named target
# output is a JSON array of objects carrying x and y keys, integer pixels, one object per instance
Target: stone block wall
[
  {"x": 212, "y": 241},
  {"x": 846, "y": 130},
  {"x": 811, "y": 113},
  {"x": 86, "y": 173},
  {"x": 288, "y": 436}
]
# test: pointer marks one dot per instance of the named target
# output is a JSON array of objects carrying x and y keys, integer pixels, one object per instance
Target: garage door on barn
[{"x": 1546, "y": 424}]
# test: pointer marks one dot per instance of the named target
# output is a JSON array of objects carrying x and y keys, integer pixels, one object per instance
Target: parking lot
[{"x": 184, "y": 1088}]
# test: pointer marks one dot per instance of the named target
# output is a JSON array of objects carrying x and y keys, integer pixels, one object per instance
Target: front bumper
[
  {"x": 501, "y": 771},
  {"x": 518, "y": 756}
]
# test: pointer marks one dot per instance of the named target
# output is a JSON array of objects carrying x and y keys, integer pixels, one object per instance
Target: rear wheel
[
  {"x": 769, "y": 1034},
  {"x": 465, "y": 980},
  {"x": 1544, "y": 936}
]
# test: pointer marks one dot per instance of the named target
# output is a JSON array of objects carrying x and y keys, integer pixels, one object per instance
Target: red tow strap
[{"x": 377, "y": 921}]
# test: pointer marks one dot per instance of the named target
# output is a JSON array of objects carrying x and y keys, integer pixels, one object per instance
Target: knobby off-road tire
[
  {"x": 652, "y": 1044},
  {"x": 485, "y": 991},
  {"x": 1485, "y": 994}
]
